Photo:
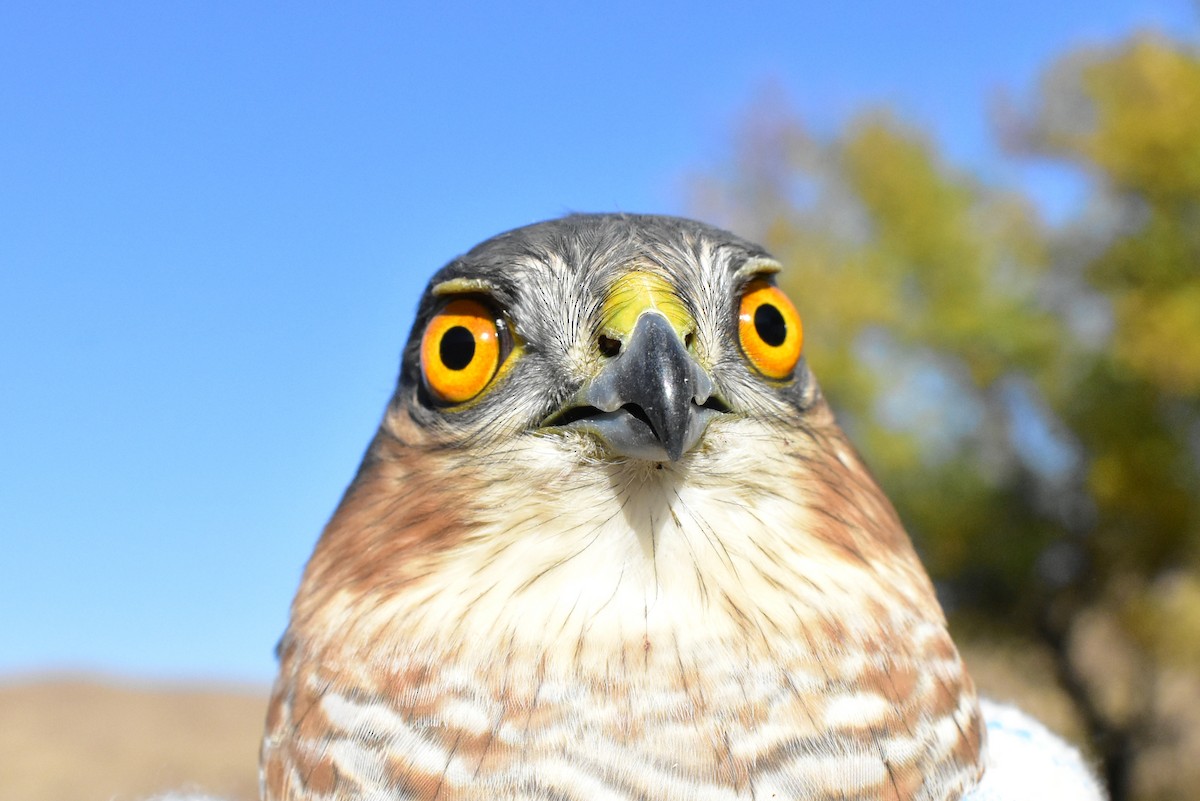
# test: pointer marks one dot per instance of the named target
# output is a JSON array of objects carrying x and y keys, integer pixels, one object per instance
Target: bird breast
[{"x": 591, "y": 630}]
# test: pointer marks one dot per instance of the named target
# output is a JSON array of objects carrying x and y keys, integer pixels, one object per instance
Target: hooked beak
[{"x": 651, "y": 401}]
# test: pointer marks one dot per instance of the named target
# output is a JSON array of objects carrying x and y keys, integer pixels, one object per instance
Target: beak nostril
[
  {"x": 689, "y": 339},
  {"x": 608, "y": 346}
]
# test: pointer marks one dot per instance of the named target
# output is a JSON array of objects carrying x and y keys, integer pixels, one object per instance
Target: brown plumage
[{"x": 585, "y": 583}]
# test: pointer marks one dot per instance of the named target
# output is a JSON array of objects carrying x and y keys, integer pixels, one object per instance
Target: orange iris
[
  {"x": 460, "y": 351},
  {"x": 769, "y": 329}
]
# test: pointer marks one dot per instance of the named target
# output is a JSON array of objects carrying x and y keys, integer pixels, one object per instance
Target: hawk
[{"x": 610, "y": 543}]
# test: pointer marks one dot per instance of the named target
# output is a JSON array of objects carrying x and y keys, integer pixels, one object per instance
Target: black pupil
[
  {"x": 457, "y": 348},
  {"x": 770, "y": 325}
]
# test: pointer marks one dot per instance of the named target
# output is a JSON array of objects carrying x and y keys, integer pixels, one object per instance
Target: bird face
[
  {"x": 618, "y": 348},
  {"x": 610, "y": 543}
]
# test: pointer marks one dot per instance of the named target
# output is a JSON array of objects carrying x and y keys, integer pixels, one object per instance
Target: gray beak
[{"x": 652, "y": 401}]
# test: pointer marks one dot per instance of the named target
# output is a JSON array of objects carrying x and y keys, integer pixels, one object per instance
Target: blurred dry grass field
[{"x": 89, "y": 739}]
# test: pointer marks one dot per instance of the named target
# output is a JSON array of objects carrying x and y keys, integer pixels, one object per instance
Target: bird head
[{"x": 616, "y": 337}]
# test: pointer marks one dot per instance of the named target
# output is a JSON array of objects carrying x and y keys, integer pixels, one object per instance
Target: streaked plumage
[{"x": 506, "y": 605}]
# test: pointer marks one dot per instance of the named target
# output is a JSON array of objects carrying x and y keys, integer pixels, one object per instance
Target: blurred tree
[{"x": 1029, "y": 396}]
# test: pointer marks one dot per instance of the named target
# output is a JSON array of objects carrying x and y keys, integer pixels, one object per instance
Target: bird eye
[
  {"x": 461, "y": 350},
  {"x": 769, "y": 330}
]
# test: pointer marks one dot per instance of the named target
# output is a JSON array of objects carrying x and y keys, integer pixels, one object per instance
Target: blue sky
[{"x": 215, "y": 221}]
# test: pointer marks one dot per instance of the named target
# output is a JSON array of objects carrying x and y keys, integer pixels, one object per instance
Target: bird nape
[{"x": 610, "y": 543}]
